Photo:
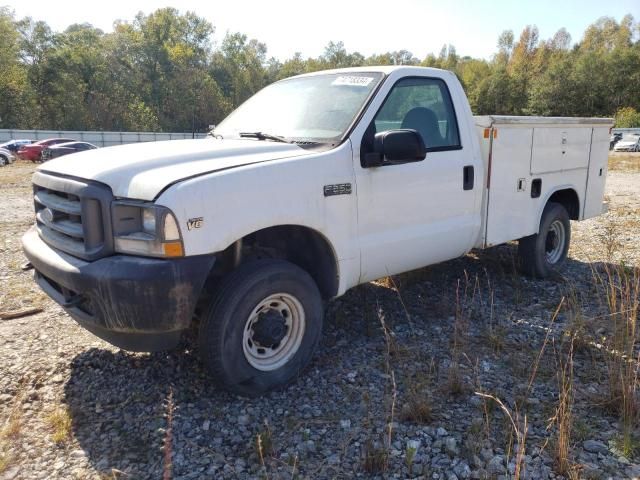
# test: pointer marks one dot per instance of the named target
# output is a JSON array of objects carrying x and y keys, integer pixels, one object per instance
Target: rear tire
[
  {"x": 261, "y": 327},
  {"x": 543, "y": 253}
]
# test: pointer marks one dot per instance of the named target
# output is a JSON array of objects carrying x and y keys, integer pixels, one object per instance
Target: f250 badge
[
  {"x": 194, "y": 223},
  {"x": 337, "y": 189}
]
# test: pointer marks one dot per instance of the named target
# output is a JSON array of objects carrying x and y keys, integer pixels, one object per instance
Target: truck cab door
[{"x": 423, "y": 212}]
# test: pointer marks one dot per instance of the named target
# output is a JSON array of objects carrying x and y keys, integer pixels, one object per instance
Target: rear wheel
[
  {"x": 261, "y": 327},
  {"x": 541, "y": 254},
  {"x": 3, "y": 161}
]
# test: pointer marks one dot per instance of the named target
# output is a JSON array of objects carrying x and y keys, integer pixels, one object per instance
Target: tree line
[{"x": 163, "y": 72}]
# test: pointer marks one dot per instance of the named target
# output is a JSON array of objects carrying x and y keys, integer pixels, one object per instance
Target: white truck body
[
  {"x": 398, "y": 218},
  {"x": 488, "y": 181}
]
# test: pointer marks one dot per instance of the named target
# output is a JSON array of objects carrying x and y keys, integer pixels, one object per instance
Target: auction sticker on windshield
[{"x": 353, "y": 81}]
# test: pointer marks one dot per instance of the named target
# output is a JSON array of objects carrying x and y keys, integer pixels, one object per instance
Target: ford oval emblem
[{"x": 47, "y": 215}]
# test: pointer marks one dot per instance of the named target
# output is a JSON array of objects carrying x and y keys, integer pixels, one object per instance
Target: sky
[{"x": 374, "y": 26}]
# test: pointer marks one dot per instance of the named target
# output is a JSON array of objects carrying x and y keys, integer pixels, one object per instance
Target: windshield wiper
[{"x": 263, "y": 136}]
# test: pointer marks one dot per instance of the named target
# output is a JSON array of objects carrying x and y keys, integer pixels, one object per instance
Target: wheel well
[
  {"x": 302, "y": 246},
  {"x": 568, "y": 198}
]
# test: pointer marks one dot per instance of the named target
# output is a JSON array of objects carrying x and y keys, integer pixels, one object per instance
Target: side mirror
[{"x": 395, "y": 147}]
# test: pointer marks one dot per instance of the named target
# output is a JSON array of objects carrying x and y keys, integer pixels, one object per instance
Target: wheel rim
[
  {"x": 273, "y": 332},
  {"x": 554, "y": 244}
]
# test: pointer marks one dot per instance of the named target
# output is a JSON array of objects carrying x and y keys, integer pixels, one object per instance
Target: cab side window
[{"x": 424, "y": 105}]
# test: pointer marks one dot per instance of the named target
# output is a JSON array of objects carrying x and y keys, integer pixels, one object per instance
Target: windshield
[{"x": 317, "y": 108}]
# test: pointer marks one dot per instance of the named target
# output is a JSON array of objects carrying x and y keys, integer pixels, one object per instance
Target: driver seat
[{"x": 425, "y": 122}]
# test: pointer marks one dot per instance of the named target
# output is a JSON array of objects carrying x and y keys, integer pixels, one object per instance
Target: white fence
[
  {"x": 626, "y": 130},
  {"x": 101, "y": 139}
]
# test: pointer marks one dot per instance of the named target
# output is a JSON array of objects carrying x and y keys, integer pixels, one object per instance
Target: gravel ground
[{"x": 401, "y": 364}]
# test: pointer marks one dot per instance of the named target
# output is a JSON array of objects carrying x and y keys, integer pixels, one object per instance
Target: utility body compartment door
[
  {"x": 559, "y": 149},
  {"x": 510, "y": 206},
  {"x": 597, "y": 176}
]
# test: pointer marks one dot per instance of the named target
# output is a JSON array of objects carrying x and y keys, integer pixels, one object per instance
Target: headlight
[
  {"x": 145, "y": 229},
  {"x": 149, "y": 220}
]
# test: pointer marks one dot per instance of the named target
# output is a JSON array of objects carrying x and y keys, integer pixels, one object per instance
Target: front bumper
[
  {"x": 31, "y": 155},
  {"x": 134, "y": 303}
]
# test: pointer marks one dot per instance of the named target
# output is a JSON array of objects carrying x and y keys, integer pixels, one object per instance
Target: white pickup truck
[{"x": 316, "y": 184}]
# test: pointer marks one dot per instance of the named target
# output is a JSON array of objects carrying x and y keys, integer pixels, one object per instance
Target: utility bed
[{"x": 526, "y": 157}]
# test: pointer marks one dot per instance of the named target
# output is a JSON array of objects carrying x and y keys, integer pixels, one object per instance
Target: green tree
[
  {"x": 36, "y": 45},
  {"x": 336, "y": 56},
  {"x": 627, "y": 117},
  {"x": 497, "y": 94},
  {"x": 14, "y": 87},
  {"x": 238, "y": 67},
  {"x": 554, "y": 92},
  {"x": 161, "y": 72}
]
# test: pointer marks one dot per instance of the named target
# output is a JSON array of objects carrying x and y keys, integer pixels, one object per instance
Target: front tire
[
  {"x": 543, "y": 253},
  {"x": 261, "y": 327}
]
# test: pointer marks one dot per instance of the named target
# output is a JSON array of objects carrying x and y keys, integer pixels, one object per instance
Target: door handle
[{"x": 467, "y": 177}]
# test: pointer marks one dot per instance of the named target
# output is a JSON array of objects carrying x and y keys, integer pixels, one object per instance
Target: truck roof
[{"x": 386, "y": 69}]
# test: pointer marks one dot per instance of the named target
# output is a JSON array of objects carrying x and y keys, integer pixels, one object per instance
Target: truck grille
[{"x": 73, "y": 215}]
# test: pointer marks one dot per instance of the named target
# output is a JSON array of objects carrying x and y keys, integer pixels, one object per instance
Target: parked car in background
[
  {"x": 628, "y": 143},
  {"x": 33, "y": 151},
  {"x": 14, "y": 145},
  {"x": 615, "y": 138},
  {"x": 6, "y": 157},
  {"x": 61, "y": 149}
]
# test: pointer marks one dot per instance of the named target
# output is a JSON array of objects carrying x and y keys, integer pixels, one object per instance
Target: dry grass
[
  {"x": 624, "y": 162},
  {"x": 418, "y": 401},
  {"x": 5, "y": 459},
  {"x": 375, "y": 454},
  {"x": 610, "y": 237},
  {"x": 417, "y": 409},
  {"x": 11, "y": 430},
  {"x": 464, "y": 308},
  {"x": 519, "y": 426},
  {"x": 60, "y": 422},
  {"x": 620, "y": 289},
  {"x": 15, "y": 174},
  {"x": 22, "y": 295},
  {"x": 13, "y": 223},
  {"x": 264, "y": 443},
  {"x": 375, "y": 457},
  {"x": 516, "y": 418},
  {"x": 167, "y": 460},
  {"x": 13, "y": 427},
  {"x": 563, "y": 418}
]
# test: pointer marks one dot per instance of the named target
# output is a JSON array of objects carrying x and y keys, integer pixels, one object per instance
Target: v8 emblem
[{"x": 194, "y": 223}]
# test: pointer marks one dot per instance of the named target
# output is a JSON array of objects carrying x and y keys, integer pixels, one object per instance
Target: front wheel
[
  {"x": 262, "y": 326},
  {"x": 541, "y": 254}
]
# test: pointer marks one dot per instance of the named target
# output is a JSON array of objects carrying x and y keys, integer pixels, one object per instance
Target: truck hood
[{"x": 143, "y": 170}]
